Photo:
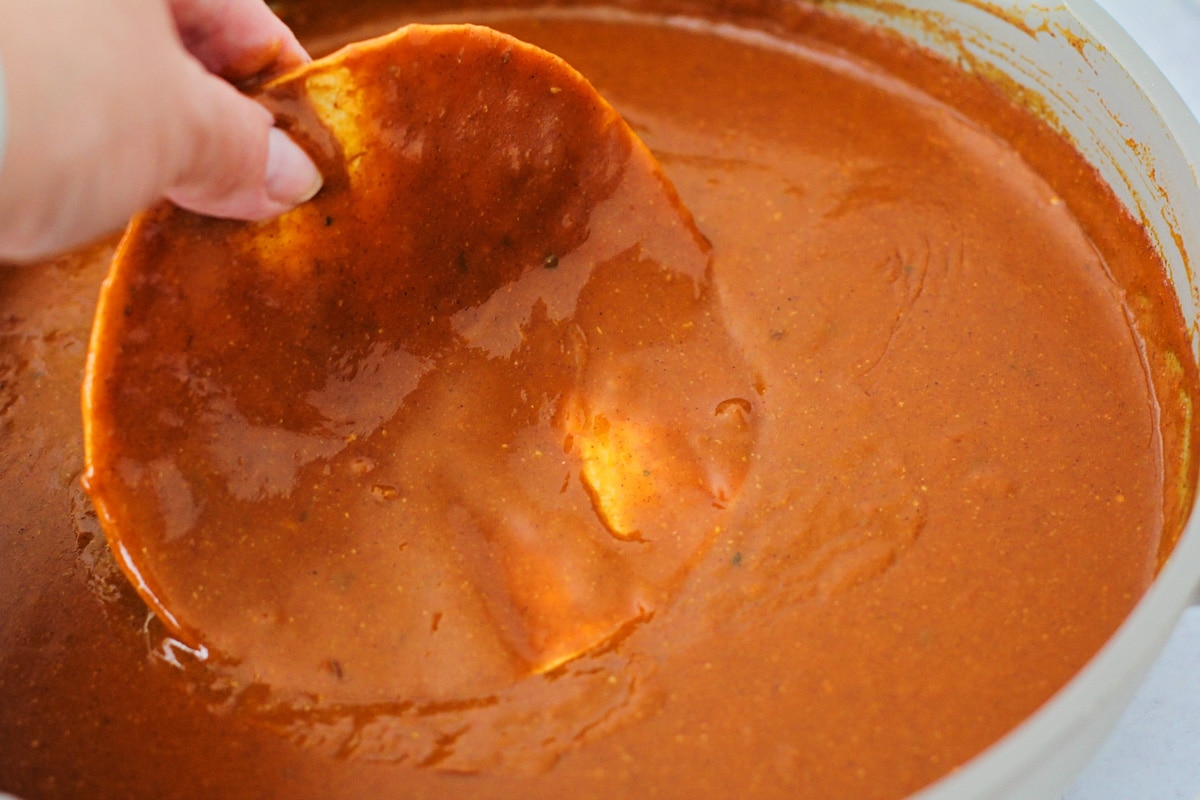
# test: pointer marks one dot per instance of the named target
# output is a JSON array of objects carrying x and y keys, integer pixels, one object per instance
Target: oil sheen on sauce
[{"x": 967, "y": 383}]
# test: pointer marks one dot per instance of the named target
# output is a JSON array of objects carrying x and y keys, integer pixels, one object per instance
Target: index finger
[{"x": 240, "y": 40}]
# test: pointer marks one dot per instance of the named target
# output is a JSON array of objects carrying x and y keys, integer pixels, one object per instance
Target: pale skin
[{"x": 116, "y": 104}]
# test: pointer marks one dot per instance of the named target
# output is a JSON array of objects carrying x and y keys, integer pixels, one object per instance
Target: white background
[{"x": 1154, "y": 753}]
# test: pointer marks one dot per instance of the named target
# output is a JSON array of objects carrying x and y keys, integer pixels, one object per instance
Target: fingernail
[{"x": 292, "y": 178}]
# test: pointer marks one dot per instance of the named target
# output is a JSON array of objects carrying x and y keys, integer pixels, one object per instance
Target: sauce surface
[{"x": 968, "y": 396}]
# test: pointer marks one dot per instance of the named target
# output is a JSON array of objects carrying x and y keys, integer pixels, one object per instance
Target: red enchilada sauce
[{"x": 968, "y": 394}]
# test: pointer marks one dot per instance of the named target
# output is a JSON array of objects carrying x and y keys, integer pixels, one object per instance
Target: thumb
[{"x": 233, "y": 162}]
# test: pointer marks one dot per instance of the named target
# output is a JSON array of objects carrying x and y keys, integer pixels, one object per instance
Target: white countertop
[{"x": 1154, "y": 752}]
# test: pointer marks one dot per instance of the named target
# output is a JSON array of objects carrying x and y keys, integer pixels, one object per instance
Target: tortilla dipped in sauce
[{"x": 422, "y": 436}]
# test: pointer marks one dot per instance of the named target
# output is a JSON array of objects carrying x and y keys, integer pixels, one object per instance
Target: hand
[{"x": 115, "y": 104}]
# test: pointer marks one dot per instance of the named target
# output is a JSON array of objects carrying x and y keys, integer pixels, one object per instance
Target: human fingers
[
  {"x": 237, "y": 39},
  {"x": 233, "y": 162},
  {"x": 107, "y": 113}
]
